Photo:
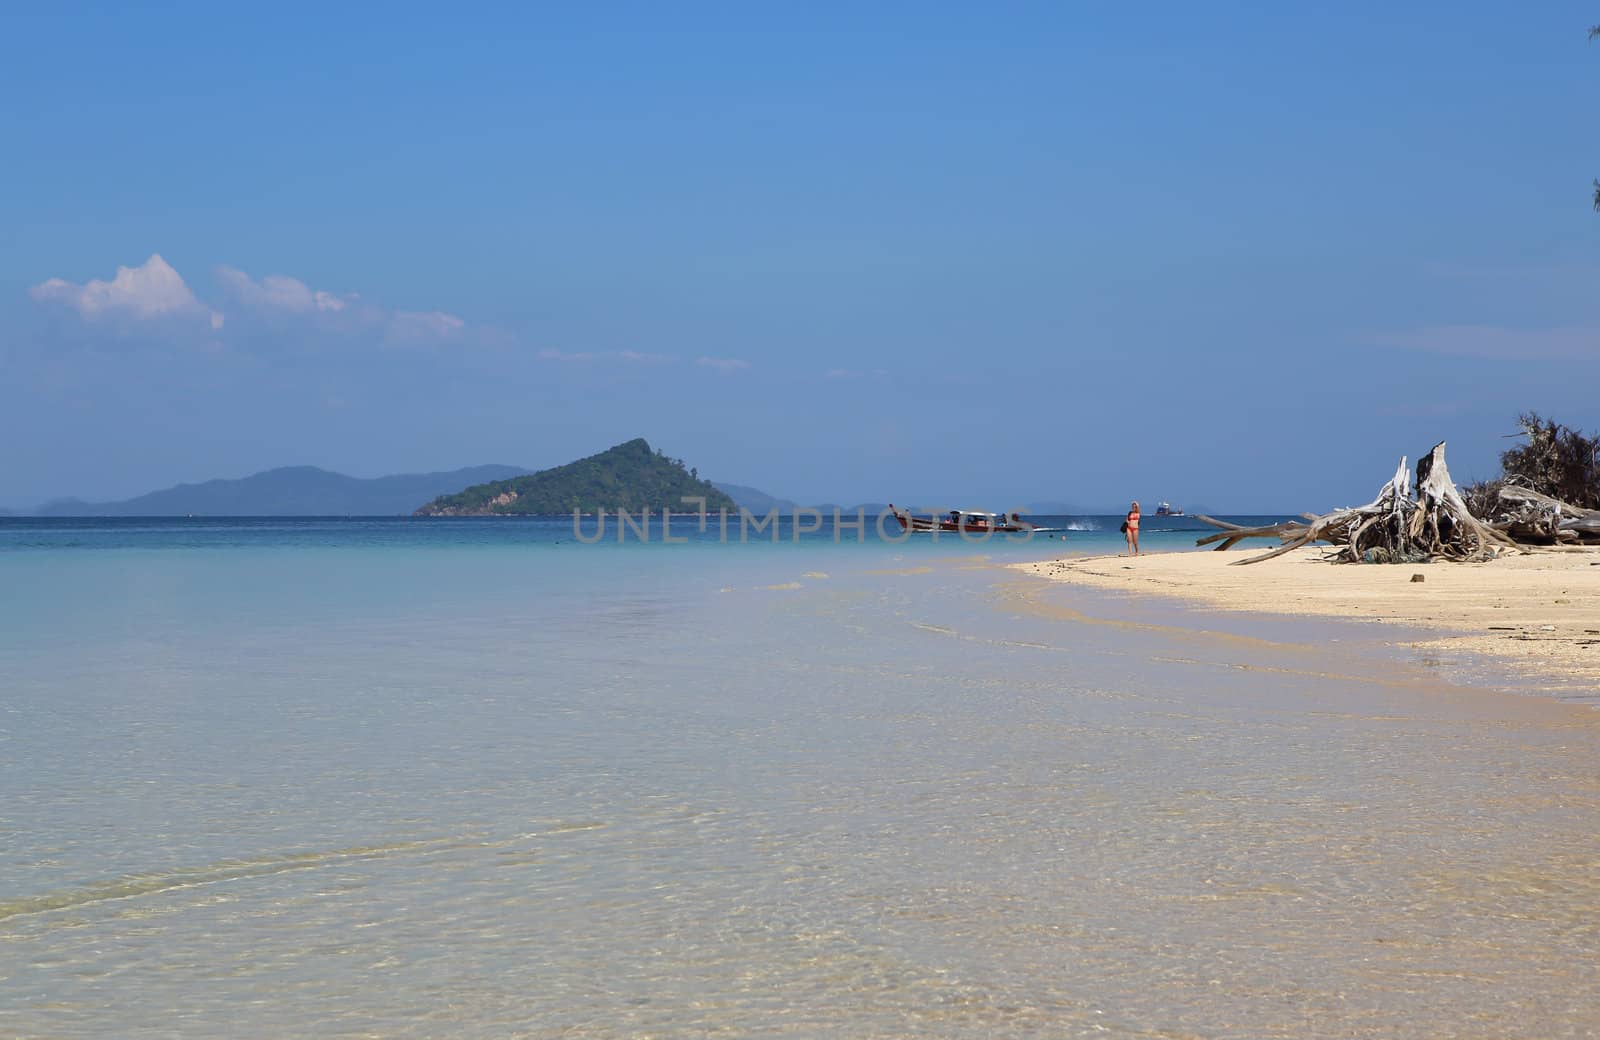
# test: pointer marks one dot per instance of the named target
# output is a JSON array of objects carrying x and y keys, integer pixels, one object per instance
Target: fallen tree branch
[{"x": 1534, "y": 519}]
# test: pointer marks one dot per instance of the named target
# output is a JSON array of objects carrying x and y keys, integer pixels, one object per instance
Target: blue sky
[{"x": 1242, "y": 255}]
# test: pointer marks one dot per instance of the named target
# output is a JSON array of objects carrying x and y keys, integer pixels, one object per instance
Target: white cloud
[
  {"x": 424, "y": 326},
  {"x": 632, "y": 357},
  {"x": 154, "y": 290},
  {"x": 345, "y": 314},
  {"x": 150, "y": 291},
  {"x": 279, "y": 292},
  {"x": 1498, "y": 343},
  {"x": 722, "y": 364}
]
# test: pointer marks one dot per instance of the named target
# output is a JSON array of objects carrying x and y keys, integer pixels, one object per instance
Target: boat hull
[{"x": 929, "y": 525}]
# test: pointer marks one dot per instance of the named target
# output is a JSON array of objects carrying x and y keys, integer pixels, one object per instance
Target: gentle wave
[{"x": 136, "y": 885}]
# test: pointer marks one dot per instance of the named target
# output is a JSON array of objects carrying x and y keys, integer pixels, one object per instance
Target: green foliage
[
  {"x": 630, "y": 476},
  {"x": 1556, "y": 460}
]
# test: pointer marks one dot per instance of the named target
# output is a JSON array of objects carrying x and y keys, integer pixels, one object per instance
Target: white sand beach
[{"x": 1541, "y": 610}]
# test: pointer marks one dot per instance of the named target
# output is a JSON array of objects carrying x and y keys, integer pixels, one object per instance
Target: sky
[{"x": 1242, "y": 256}]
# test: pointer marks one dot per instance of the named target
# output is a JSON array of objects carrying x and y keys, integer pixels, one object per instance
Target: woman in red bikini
[{"x": 1131, "y": 525}]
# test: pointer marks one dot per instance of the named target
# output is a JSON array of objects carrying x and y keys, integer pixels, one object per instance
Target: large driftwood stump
[{"x": 1395, "y": 527}]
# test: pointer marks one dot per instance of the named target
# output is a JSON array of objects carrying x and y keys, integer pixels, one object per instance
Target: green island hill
[{"x": 629, "y": 476}]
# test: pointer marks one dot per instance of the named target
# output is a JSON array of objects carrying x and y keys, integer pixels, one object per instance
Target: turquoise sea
[{"x": 475, "y": 778}]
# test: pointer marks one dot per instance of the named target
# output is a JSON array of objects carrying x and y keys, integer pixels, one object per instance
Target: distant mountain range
[
  {"x": 310, "y": 491},
  {"x": 754, "y": 500},
  {"x": 291, "y": 491}
]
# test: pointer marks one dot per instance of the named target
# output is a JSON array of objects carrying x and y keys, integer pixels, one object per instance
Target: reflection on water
[{"x": 449, "y": 800}]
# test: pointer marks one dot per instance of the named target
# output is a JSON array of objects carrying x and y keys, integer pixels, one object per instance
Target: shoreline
[{"x": 1539, "y": 613}]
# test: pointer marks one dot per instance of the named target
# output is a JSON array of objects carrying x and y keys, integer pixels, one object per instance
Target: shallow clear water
[
  {"x": 385, "y": 781},
  {"x": 638, "y": 533}
]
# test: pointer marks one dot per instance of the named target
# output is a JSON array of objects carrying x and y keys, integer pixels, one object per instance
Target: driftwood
[
  {"x": 1534, "y": 519},
  {"x": 1396, "y": 527}
]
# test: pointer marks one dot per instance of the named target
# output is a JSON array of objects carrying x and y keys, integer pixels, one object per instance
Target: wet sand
[{"x": 1539, "y": 613}]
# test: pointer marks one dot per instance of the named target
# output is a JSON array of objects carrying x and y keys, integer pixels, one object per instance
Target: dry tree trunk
[
  {"x": 1531, "y": 518},
  {"x": 1438, "y": 500},
  {"x": 1393, "y": 527}
]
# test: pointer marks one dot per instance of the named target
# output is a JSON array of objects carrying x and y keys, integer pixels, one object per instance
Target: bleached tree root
[{"x": 1395, "y": 527}]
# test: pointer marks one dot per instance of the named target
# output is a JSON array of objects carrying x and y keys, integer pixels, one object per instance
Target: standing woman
[{"x": 1130, "y": 525}]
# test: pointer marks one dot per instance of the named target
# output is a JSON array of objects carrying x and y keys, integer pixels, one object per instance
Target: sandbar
[{"x": 1538, "y": 611}]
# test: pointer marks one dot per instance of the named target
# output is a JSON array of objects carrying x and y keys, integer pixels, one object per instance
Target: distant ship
[{"x": 1168, "y": 509}]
